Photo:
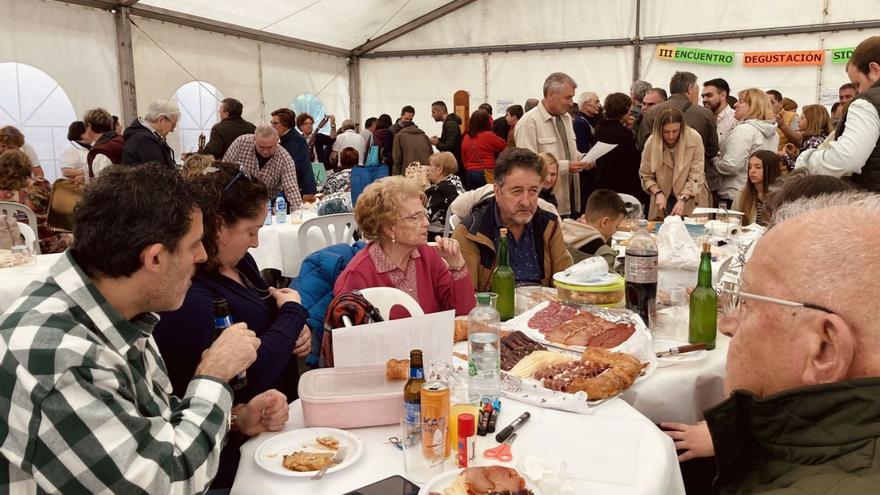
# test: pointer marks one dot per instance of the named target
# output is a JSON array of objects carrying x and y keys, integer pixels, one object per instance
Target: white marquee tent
[{"x": 360, "y": 58}]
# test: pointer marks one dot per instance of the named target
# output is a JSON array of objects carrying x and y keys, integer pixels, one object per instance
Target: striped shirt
[{"x": 86, "y": 404}]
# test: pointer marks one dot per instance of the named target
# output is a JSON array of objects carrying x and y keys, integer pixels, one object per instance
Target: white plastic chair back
[
  {"x": 633, "y": 206},
  {"x": 30, "y": 238},
  {"x": 342, "y": 231},
  {"x": 9, "y": 209},
  {"x": 452, "y": 222},
  {"x": 385, "y": 298}
]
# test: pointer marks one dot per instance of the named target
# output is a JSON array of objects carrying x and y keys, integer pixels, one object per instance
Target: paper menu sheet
[
  {"x": 376, "y": 343},
  {"x": 598, "y": 150}
]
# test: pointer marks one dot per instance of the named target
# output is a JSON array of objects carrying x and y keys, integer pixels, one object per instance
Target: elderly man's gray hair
[
  {"x": 346, "y": 125},
  {"x": 585, "y": 96},
  {"x": 266, "y": 130},
  {"x": 639, "y": 89},
  {"x": 866, "y": 203},
  {"x": 555, "y": 82},
  {"x": 162, "y": 108}
]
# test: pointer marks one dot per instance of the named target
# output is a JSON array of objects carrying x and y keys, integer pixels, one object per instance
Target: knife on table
[{"x": 681, "y": 350}]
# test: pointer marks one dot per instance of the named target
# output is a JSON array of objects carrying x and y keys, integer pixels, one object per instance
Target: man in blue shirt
[{"x": 537, "y": 250}]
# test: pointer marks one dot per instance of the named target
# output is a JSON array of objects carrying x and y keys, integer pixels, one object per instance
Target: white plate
[
  {"x": 270, "y": 454},
  {"x": 661, "y": 345},
  {"x": 602, "y": 280},
  {"x": 709, "y": 211},
  {"x": 443, "y": 481},
  {"x": 621, "y": 235}
]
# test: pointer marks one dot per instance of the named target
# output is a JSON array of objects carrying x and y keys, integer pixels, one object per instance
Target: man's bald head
[{"x": 819, "y": 252}]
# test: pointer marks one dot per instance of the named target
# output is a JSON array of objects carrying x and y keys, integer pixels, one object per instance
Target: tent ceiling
[{"x": 344, "y": 24}]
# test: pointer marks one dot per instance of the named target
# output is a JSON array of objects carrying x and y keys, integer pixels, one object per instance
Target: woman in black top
[{"x": 618, "y": 170}]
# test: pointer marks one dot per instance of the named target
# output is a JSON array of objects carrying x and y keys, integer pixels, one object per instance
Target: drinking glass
[{"x": 417, "y": 466}]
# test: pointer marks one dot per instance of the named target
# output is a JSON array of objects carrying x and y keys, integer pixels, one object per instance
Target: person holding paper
[
  {"x": 672, "y": 167},
  {"x": 391, "y": 215}
]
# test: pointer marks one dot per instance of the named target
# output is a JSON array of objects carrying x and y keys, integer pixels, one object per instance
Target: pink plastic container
[{"x": 352, "y": 397}]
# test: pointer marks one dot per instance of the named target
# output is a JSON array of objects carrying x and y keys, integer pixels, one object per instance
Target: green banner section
[
  {"x": 841, "y": 55},
  {"x": 695, "y": 55}
]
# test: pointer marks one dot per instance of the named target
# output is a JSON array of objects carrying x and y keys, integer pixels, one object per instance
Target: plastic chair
[
  {"x": 9, "y": 208},
  {"x": 343, "y": 231},
  {"x": 633, "y": 206},
  {"x": 452, "y": 222},
  {"x": 385, "y": 298},
  {"x": 30, "y": 238}
]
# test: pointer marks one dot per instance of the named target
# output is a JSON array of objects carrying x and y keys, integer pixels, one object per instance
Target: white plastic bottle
[{"x": 484, "y": 351}]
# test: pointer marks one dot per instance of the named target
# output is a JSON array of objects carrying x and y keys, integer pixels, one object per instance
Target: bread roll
[
  {"x": 461, "y": 330},
  {"x": 397, "y": 369}
]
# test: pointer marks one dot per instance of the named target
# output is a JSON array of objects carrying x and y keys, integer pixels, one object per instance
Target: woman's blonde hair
[
  {"x": 759, "y": 104},
  {"x": 547, "y": 159},
  {"x": 15, "y": 170},
  {"x": 818, "y": 121},
  {"x": 195, "y": 164},
  {"x": 379, "y": 204},
  {"x": 445, "y": 160}
]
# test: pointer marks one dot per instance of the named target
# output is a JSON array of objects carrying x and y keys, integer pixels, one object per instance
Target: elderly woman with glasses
[
  {"x": 233, "y": 206},
  {"x": 391, "y": 215}
]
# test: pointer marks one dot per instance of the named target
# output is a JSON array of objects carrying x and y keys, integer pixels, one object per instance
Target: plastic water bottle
[
  {"x": 641, "y": 274},
  {"x": 280, "y": 209},
  {"x": 484, "y": 352},
  {"x": 268, "y": 213}
]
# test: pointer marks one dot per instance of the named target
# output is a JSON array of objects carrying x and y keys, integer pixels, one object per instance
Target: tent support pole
[
  {"x": 637, "y": 44},
  {"x": 354, "y": 89},
  {"x": 125, "y": 58}
]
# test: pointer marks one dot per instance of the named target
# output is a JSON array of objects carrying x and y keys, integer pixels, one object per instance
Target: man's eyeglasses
[
  {"x": 241, "y": 173},
  {"x": 731, "y": 298},
  {"x": 416, "y": 217}
]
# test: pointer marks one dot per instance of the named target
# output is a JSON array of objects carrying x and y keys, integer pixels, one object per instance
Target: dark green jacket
[
  {"x": 224, "y": 133},
  {"x": 821, "y": 439}
]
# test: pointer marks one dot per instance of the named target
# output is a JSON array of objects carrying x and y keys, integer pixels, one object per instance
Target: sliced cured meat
[
  {"x": 551, "y": 317},
  {"x": 612, "y": 336},
  {"x": 514, "y": 347},
  {"x": 489, "y": 480}
]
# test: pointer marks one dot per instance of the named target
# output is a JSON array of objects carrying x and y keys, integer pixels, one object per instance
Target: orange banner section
[{"x": 764, "y": 59}]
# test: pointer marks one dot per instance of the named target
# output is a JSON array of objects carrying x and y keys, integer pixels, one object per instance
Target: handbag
[
  {"x": 415, "y": 170},
  {"x": 65, "y": 195},
  {"x": 356, "y": 308},
  {"x": 372, "y": 154},
  {"x": 363, "y": 176}
]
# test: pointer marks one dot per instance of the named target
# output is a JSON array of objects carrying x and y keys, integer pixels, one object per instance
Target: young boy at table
[{"x": 589, "y": 235}]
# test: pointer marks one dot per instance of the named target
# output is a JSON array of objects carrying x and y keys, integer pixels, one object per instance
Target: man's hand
[
  {"x": 435, "y": 140},
  {"x": 233, "y": 351},
  {"x": 284, "y": 296},
  {"x": 695, "y": 440},
  {"x": 303, "y": 342},
  {"x": 449, "y": 250},
  {"x": 332, "y": 119},
  {"x": 574, "y": 167},
  {"x": 265, "y": 412},
  {"x": 780, "y": 118},
  {"x": 660, "y": 201}
]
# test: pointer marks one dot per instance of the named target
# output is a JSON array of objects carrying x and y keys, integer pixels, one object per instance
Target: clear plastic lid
[{"x": 345, "y": 384}]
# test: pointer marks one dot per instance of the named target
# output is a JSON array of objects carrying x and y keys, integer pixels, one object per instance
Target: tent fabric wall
[{"x": 74, "y": 45}]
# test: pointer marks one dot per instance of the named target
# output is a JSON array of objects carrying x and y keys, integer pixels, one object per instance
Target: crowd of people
[{"x": 103, "y": 394}]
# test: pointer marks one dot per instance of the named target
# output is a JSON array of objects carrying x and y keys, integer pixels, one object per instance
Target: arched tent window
[
  {"x": 311, "y": 105},
  {"x": 199, "y": 104},
  {"x": 35, "y": 103}
]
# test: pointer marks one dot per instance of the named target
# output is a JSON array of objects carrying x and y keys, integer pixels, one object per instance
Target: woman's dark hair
[
  {"x": 226, "y": 196},
  {"x": 285, "y": 116},
  {"x": 516, "y": 111},
  {"x": 75, "y": 130},
  {"x": 384, "y": 121},
  {"x": 302, "y": 118},
  {"x": 348, "y": 158},
  {"x": 478, "y": 123},
  {"x": 125, "y": 210},
  {"x": 770, "y": 172},
  {"x": 617, "y": 105},
  {"x": 15, "y": 170}
]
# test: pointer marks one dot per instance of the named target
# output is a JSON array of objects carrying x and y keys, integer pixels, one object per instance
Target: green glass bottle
[
  {"x": 704, "y": 305},
  {"x": 503, "y": 280}
]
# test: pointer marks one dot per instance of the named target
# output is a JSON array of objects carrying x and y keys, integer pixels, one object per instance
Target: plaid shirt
[
  {"x": 279, "y": 173},
  {"x": 86, "y": 404}
]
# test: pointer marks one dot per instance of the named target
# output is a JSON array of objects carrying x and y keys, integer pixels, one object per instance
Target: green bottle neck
[
  {"x": 503, "y": 258},
  {"x": 704, "y": 279}
]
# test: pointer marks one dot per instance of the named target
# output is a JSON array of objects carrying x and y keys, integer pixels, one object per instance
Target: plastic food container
[
  {"x": 610, "y": 295},
  {"x": 351, "y": 397}
]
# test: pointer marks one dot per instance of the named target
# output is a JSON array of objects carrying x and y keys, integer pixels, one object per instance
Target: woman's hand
[
  {"x": 303, "y": 343},
  {"x": 284, "y": 295},
  {"x": 660, "y": 201},
  {"x": 678, "y": 209},
  {"x": 695, "y": 440},
  {"x": 449, "y": 250}
]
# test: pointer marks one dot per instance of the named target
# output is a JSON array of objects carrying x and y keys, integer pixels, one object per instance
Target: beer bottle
[
  {"x": 222, "y": 321},
  {"x": 412, "y": 391},
  {"x": 703, "y": 305},
  {"x": 503, "y": 280}
]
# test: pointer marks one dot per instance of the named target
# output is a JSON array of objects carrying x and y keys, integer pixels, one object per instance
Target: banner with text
[
  {"x": 768, "y": 59},
  {"x": 694, "y": 55},
  {"x": 841, "y": 55}
]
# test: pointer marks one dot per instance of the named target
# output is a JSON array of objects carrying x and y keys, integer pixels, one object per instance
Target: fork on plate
[{"x": 338, "y": 458}]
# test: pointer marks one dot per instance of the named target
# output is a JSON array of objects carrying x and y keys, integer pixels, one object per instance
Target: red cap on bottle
[{"x": 466, "y": 425}]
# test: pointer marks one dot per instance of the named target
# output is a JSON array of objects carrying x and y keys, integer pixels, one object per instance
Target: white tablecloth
[
  {"x": 681, "y": 392},
  {"x": 279, "y": 244},
  {"x": 14, "y": 280},
  {"x": 613, "y": 450}
]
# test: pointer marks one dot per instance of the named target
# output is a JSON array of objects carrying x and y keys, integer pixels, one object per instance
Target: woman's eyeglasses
[
  {"x": 416, "y": 217},
  {"x": 241, "y": 173}
]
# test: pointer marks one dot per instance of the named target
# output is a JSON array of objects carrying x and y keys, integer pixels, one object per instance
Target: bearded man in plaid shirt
[
  {"x": 85, "y": 402},
  {"x": 260, "y": 155}
]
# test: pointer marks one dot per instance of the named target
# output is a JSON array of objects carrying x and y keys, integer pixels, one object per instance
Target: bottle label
[
  {"x": 641, "y": 269},
  {"x": 417, "y": 373}
]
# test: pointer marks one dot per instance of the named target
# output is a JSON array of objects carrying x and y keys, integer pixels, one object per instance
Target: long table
[
  {"x": 613, "y": 450},
  {"x": 279, "y": 244}
]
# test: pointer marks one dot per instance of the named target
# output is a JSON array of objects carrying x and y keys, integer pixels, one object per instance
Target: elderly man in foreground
[
  {"x": 803, "y": 366},
  {"x": 86, "y": 404}
]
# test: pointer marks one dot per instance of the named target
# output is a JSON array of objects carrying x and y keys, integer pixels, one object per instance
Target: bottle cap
[
  {"x": 466, "y": 425},
  {"x": 484, "y": 298},
  {"x": 502, "y": 232}
]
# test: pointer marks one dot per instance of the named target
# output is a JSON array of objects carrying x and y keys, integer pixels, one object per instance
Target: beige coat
[
  {"x": 536, "y": 131},
  {"x": 682, "y": 175}
]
